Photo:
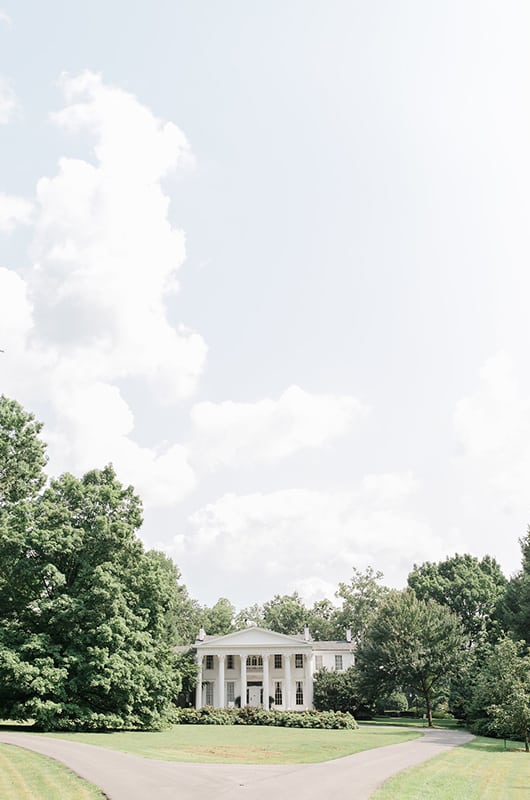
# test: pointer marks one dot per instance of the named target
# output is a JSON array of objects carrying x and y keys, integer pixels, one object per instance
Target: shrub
[{"x": 249, "y": 715}]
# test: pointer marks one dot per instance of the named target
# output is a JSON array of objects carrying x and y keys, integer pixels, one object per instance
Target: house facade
[{"x": 261, "y": 668}]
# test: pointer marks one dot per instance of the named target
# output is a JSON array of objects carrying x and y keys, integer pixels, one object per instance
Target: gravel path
[{"x": 123, "y": 776}]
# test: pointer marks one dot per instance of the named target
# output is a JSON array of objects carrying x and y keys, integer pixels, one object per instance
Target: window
[
  {"x": 254, "y": 661},
  {"x": 298, "y": 660},
  {"x": 230, "y": 691},
  {"x": 299, "y": 693},
  {"x": 278, "y": 697},
  {"x": 209, "y": 693},
  {"x": 230, "y": 662},
  {"x": 209, "y": 662},
  {"x": 318, "y": 662},
  {"x": 338, "y": 662},
  {"x": 278, "y": 661}
]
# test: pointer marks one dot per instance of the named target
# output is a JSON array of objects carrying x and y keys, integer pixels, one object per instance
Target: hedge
[{"x": 249, "y": 715}]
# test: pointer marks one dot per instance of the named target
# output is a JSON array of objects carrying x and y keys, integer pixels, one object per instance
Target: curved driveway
[{"x": 123, "y": 776}]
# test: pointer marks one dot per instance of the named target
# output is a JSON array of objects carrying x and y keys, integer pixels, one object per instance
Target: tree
[
  {"x": 361, "y": 598},
  {"x": 22, "y": 454},
  {"x": 470, "y": 588},
  {"x": 322, "y": 621},
  {"x": 219, "y": 619},
  {"x": 285, "y": 614},
  {"x": 84, "y": 640},
  {"x": 410, "y": 643},
  {"x": 516, "y": 608},
  {"x": 502, "y": 691},
  {"x": 253, "y": 614},
  {"x": 336, "y": 691}
]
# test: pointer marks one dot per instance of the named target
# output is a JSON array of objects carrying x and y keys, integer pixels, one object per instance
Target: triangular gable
[{"x": 253, "y": 637}]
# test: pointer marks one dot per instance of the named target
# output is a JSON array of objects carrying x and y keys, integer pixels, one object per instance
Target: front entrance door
[{"x": 254, "y": 695}]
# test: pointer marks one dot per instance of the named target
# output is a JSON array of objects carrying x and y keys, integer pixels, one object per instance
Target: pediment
[{"x": 253, "y": 637}]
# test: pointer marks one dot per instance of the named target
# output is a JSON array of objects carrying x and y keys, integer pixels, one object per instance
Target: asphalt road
[{"x": 122, "y": 776}]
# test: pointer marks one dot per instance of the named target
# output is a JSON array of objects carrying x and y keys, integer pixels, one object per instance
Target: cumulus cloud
[
  {"x": 304, "y": 538},
  {"x": 14, "y": 211},
  {"x": 269, "y": 430},
  {"x": 106, "y": 252},
  {"x": 8, "y": 101},
  {"x": 92, "y": 310}
]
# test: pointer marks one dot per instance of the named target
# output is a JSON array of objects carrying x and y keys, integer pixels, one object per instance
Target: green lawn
[
  {"x": 415, "y": 722},
  {"x": 240, "y": 744},
  {"x": 480, "y": 770},
  {"x": 29, "y": 776}
]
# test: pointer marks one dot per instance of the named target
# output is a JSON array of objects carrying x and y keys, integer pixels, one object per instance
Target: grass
[
  {"x": 415, "y": 722},
  {"x": 29, "y": 776},
  {"x": 244, "y": 744},
  {"x": 480, "y": 770}
]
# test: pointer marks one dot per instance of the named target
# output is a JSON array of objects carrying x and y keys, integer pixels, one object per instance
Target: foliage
[
  {"x": 188, "y": 670},
  {"x": 517, "y": 603},
  {"x": 361, "y": 598},
  {"x": 219, "y": 619},
  {"x": 410, "y": 643},
  {"x": 470, "y": 588},
  {"x": 337, "y": 691},
  {"x": 258, "y": 716},
  {"x": 87, "y": 616},
  {"x": 22, "y": 454},
  {"x": 285, "y": 614},
  {"x": 394, "y": 702},
  {"x": 501, "y": 697}
]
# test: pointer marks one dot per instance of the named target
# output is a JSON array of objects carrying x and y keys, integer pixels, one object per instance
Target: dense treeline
[{"x": 90, "y": 619}]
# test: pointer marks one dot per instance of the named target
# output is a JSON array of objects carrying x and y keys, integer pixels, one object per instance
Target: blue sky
[{"x": 271, "y": 260}]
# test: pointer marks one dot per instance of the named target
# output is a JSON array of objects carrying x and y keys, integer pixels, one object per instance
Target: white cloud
[
  {"x": 8, "y": 101},
  {"x": 162, "y": 477},
  {"x": 92, "y": 310},
  {"x": 231, "y": 433},
  {"x": 14, "y": 211},
  {"x": 304, "y": 538},
  {"x": 107, "y": 255},
  {"x": 4, "y": 17}
]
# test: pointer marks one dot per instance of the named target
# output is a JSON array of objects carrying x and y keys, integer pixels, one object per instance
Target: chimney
[
  {"x": 306, "y": 633},
  {"x": 348, "y": 634},
  {"x": 202, "y": 634}
]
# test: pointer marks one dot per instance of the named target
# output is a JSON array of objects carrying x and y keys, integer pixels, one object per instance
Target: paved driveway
[{"x": 123, "y": 776}]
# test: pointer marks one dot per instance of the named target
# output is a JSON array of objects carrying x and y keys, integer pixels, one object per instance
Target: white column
[
  {"x": 198, "y": 690},
  {"x": 221, "y": 681},
  {"x": 308, "y": 688},
  {"x": 266, "y": 691},
  {"x": 287, "y": 692},
  {"x": 243, "y": 657}
]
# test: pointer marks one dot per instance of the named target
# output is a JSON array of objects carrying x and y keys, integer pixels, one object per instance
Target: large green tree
[
  {"x": 516, "y": 605},
  {"x": 501, "y": 692},
  {"x": 470, "y": 587},
  {"x": 85, "y": 614},
  {"x": 410, "y": 643}
]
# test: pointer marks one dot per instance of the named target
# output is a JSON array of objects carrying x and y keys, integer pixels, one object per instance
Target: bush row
[{"x": 259, "y": 716}]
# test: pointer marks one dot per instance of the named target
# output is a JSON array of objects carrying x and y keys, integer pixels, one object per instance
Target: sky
[{"x": 271, "y": 260}]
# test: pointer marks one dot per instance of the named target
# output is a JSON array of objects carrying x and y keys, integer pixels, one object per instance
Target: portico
[{"x": 260, "y": 668}]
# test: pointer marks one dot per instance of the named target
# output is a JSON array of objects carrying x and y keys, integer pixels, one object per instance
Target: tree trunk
[
  {"x": 526, "y": 742},
  {"x": 428, "y": 707}
]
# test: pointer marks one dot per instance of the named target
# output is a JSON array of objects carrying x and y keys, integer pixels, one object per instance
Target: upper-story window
[
  {"x": 278, "y": 661},
  {"x": 318, "y": 662},
  {"x": 254, "y": 661},
  {"x": 230, "y": 662},
  {"x": 299, "y": 660},
  {"x": 338, "y": 662},
  {"x": 209, "y": 662}
]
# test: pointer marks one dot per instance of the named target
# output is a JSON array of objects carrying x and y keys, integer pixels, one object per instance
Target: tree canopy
[{"x": 410, "y": 643}]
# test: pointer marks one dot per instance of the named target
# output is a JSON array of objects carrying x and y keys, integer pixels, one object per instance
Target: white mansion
[{"x": 258, "y": 667}]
